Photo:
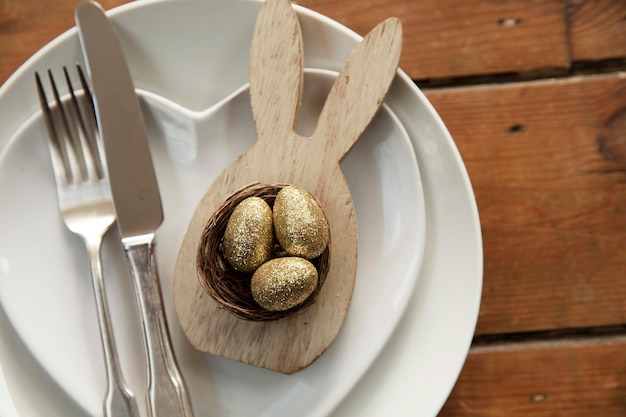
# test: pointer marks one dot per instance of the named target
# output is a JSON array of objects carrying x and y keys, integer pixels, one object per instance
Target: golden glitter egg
[
  {"x": 249, "y": 236},
  {"x": 299, "y": 222},
  {"x": 283, "y": 283}
]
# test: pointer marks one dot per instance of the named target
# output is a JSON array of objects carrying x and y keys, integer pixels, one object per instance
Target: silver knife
[{"x": 136, "y": 198}]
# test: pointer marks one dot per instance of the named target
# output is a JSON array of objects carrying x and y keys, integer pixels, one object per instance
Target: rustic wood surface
[
  {"x": 448, "y": 38},
  {"x": 597, "y": 29},
  {"x": 573, "y": 378},
  {"x": 552, "y": 198},
  {"x": 546, "y": 157}
]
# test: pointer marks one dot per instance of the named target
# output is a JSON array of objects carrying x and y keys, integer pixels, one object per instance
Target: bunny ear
[
  {"x": 276, "y": 69},
  {"x": 360, "y": 87}
]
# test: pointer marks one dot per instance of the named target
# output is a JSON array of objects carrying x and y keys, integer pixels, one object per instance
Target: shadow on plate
[{"x": 22, "y": 370}]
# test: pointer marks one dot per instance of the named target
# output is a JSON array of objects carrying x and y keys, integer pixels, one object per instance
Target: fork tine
[
  {"x": 84, "y": 135},
  {"x": 61, "y": 167},
  {"x": 67, "y": 140},
  {"x": 72, "y": 141},
  {"x": 89, "y": 123},
  {"x": 71, "y": 125}
]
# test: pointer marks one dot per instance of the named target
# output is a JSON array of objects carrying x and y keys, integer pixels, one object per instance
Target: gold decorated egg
[
  {"x": 299, "y": 223},
  {"x": 283, "y": 283},
  {"x": 248, "y": 238}
]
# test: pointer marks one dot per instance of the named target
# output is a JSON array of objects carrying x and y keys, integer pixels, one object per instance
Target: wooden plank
[
  {"x": 27, "y": 25},
  {"x": 442, "y": 39},
  {"x": 449, "y": 38},
  {"x": 580, "y": 379},
  {"x": 550, "y": 181},
  {"x": 598, "y": 29}
]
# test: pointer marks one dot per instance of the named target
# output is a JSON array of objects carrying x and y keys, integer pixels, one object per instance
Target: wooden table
[{"x": 534, "y": 94}]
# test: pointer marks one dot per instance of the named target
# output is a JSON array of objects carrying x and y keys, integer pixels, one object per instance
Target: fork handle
[
  {"x": 166, "y": 391},
  {"x": 119, "y": 400}
]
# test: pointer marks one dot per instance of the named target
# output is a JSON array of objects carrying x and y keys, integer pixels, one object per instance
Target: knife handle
[{"x": 166, "y": 392}]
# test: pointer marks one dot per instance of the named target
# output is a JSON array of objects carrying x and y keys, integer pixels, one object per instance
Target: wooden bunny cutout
[{"x": 282, "y": 156}]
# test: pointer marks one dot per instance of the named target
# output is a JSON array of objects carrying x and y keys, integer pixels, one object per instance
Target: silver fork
[{"x": 86, "y": 206}]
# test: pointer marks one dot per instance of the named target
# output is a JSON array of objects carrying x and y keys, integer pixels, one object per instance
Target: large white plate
[{"x": 177, "y": 49}]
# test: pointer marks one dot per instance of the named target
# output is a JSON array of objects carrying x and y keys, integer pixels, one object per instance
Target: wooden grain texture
[
  {"x": 27, "y": 25},
  {"x": 282, "y": 156},
  {"x": 551, "y": 192},
  {"x": 443, "y": 39},
  {"x": 598, "y": 29},
  {"x": 449, "y": 38},
  {"x": 573, "y": 379}
]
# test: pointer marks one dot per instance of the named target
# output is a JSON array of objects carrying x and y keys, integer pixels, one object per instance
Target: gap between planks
[
  {"x": 606, "y": 67},
  {"x": 549, "y": 339}
]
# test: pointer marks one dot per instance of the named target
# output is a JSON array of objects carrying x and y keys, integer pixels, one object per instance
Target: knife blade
[
  {"x": 131, "y": 172},
  {"x": 136, "y": 198}
]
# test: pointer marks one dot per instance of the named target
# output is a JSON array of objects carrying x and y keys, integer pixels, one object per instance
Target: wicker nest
[{"x": 231, "y": 288}]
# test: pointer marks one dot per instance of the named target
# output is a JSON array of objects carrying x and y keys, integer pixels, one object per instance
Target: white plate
[
  {"x": 173, "y": 47},
  {"x": 190, "y": 150}
]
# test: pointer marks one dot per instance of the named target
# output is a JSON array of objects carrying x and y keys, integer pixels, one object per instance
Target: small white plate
[
  {"x": 58, "y": 323},
  {"x": 190, "y": 149},
  {"x": 177, "y": 50}
]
